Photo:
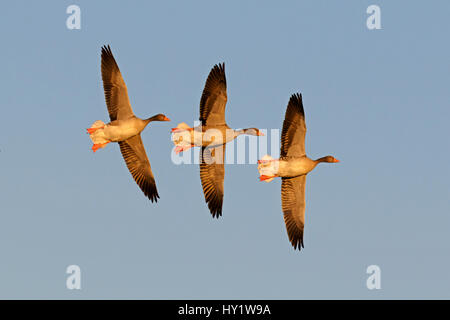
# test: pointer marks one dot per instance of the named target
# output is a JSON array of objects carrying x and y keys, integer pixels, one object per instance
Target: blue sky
[{"x": 375, "y": 99}]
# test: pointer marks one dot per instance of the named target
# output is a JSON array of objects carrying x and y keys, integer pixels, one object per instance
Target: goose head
[
  {"x": 329, "y": 159},
  {"x": 158, "y": 117}
]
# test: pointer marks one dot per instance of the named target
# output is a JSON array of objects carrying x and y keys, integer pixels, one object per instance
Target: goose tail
[
  {"x": 96, "y": 132},
  {"x": 268, "y": 168},
  {"x": 181, "y": 135}
]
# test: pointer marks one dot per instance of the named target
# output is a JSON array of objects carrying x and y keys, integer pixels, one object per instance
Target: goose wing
[
  {"x": 294, "y": 129},
  {"x": 116, "y": 93},
  {"x": 293, "y": 205},
  {"x": 212, "y": 172},
  {"x": 214, "y": 97},
  {"x": 137, "y": 162}
]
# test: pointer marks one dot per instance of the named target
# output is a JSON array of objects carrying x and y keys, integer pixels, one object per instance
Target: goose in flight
[
  {"x": 292, "y": 167},
  {"x": 211, "y": 136},
  {"x": 124, "y": 127}
]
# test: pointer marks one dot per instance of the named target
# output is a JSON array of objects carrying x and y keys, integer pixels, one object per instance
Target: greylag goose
[
  {"x": 292, "y": 167},
  {"x": 212, "y": 136},
  {"x": 125, "y": 127}
]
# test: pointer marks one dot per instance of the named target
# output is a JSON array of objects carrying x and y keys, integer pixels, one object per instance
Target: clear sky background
[{"x": 377, "y": 100}]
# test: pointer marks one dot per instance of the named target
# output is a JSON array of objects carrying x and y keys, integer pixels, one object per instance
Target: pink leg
[
  {"x": 92, "y": 130},
  {"x": 264, "y": 177},
  {"x": 95, "y": 147}
]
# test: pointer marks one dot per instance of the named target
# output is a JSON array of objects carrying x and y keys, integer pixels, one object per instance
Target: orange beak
[
  {"x": 336, "y": 160},
  {"x": 166, "y": 119}
]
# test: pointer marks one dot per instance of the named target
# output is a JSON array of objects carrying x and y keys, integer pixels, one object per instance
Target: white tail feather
[
  {"x": 268, "y": 166},
  {"x": 183, "y": 126},
  {"x": 98, "y": 136},
  {"x": 181, "y": 135},
  {"x": 98, "y": 124}
]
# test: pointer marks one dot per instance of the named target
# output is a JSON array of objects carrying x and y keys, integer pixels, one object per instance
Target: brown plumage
[
  {"x": 212, "y": 173},
  {"x": 294, "y": 128},
  {"x": 214, "y": 98},
  {"x": 116, "y": 92},
  {"x": 212, "y": 116},
  {"x": 293, "y": 206},
  {"x": 292, "y": 167},
  {"x": 211, "y": 136},
  {"x": 125, "y": 127},
  {"x": 137, "y": 163},
  {"x": 293, "y": 189}
]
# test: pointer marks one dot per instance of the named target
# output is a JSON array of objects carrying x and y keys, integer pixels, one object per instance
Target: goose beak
[
  {"x": 166, "y": 119},
  {"x": 336, "y": 160}
]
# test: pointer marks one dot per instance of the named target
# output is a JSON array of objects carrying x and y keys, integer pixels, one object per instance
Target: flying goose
[
  {"x": 292, "y": 167},
  {"x": 125, "y": 127},
  {"x": 212, "y": 136}
]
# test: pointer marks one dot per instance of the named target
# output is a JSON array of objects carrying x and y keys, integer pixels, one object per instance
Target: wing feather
[
  {"x": 293, "y": 205},
  {"x": 212, "y": 173},
  {"x": 137, "y": 163},
  {"x": 214, "y": 97},
  {"x": 294, "y": 129},
  {"x": 116, "y": 93}
]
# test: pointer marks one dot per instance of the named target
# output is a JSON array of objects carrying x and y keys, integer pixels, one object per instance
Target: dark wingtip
[
  {"x": 216, "y": 214},
  {"x": 296, "y": 101},
  {"x": 296, "y": 98},
  {"x": 297, "y": 244},
  {"x": 106, "y": 50},
  {"x": 220, "y": 66},
  {"x": 216, "y": 210},
  {"x": 218, "y": 70},
  {"x": 294, "y": 232},
  {"x": 154, "y": 197}
]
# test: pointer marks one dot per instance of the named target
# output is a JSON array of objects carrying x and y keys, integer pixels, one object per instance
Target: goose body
[
  {"x": 120, "y": 130},
  {"x": 124, "y": 127},
  {"x": 211, "y": 136},
  {"x": 207, "y": 136},
  {"x": 292, "y": 167}
]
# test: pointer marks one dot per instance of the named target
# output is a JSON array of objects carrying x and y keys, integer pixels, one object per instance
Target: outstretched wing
[
  {"x": 294, "y": 129},
  {"x": 293, "y": 205},
  {"x": 137, "y": 162},
  {"x": 214, "y": 97},
  {"x": 212, "y": 172},
  {"x": 116, "y": 93}
]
